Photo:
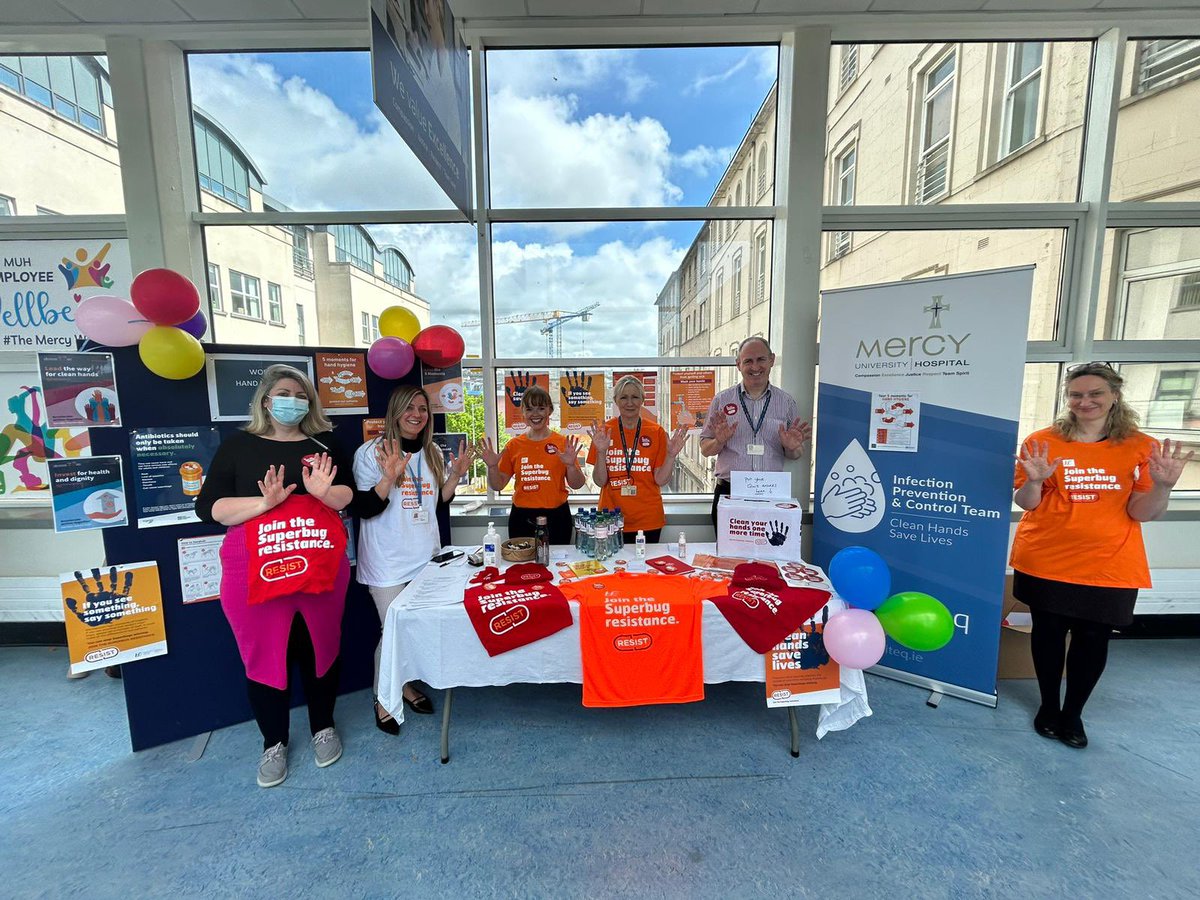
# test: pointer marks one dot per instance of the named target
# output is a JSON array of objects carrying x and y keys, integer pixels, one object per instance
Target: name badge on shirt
[
  {"x": 629, "y": 490},
  {"x": 755, "y": 449},
  {"x": 421, "y": 517}
]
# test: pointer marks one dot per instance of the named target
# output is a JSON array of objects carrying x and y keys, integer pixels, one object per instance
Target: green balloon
[{"x": 916, "y": 620}]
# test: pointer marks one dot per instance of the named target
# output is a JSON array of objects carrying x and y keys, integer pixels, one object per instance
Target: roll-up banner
[{"x": 918, "y": 405}]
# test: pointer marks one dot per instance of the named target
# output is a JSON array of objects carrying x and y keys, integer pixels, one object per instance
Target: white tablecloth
[{"x": 437, "y": 645}]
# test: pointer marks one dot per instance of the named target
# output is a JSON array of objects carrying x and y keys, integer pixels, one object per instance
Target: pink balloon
[
  {"x": 439, "y": 346},
  {"x": 164, "y": 296},
  {"x": 390, "y": 357},
  {"x": 196, "y": 325},
  {"x": 111, "y": 321},
  {"x": 855, "y": 639}
]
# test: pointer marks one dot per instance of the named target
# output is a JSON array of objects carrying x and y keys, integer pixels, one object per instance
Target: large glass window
[
  {"x": 651, "y": 126},
  {"x": 1156, "y": 156},
  {"x": 274, "y": 303},
  {"x": 396, "y": 269},
  {"x": 354, "y": 246},
  {"x": 1021, "y": 95},
  {"x": 937, "y": 105},
  {"x": 223, "y": 168},
  {"x": 244, "y": 296},
  {"x": 75, "y": 87},
  {"x": 339, "y": 152},
  {"x": 1167, "y": 399},
  {"x": 1153, "y": 292}
]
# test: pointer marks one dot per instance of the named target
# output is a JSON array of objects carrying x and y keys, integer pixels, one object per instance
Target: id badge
[
  {"x": 421, "y": 517},
  {"x": 755, "y": 449},
  {"x": 629, "y": 490}
]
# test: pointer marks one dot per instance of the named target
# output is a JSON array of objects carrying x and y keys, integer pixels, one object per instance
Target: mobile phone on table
[{"x": 447, "y": 556}]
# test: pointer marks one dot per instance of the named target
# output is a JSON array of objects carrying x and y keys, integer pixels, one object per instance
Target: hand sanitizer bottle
[
  {"x": 683, "y": 546},
  {"x": 490, "y": 541},
  {"x": 639, "y": 548}
]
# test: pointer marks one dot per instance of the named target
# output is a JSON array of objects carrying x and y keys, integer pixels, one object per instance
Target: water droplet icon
[{"x": 852, "y": 497}]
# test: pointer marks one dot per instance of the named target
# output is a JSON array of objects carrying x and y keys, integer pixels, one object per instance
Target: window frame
[
  {"x": 928, "y": 97},
  {"x": 1007, "y": 148},
  {"x": 234, "y": 293}
]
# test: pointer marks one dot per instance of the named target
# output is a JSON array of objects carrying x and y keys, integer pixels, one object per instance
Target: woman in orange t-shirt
[
  {"x": 632, "y": 458},
  {"x": 1086, "y": 484},
  {"x": 544, "y": 464}
]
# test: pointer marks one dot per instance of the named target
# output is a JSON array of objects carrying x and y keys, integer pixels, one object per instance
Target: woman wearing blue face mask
[{"x": 278, "y": 486}]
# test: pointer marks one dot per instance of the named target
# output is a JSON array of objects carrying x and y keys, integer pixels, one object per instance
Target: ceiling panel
[
  {"x": 1036, "y": 5},
  {"x": 589, "y": 8},
  {"x": 925, "y": 6},
  {"x": 812, "y": 6},
  {"x": 126, "y": 11},
  {"x": 29, "y": 12},
  {"x": 244, "y": 10},
  {"x": 487, "y": 9},
  {"x": 1150, "y": 4},
  {"x": 697, "y": 7},
  {"x": 332, "y": 9}
]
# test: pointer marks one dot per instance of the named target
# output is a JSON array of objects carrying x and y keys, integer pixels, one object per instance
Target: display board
[{"x": 199, "y": 684}]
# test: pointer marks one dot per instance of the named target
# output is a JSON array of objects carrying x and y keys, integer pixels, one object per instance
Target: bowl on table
[{"x": 518, "y": 549}]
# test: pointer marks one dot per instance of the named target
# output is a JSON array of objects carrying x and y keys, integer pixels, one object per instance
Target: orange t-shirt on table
[
  {"x": 541, "y": 474},
  {"x": 1081, "y": 532},
  {"x": 639, "y": 637},
  {"x": 644, "y": 510}
]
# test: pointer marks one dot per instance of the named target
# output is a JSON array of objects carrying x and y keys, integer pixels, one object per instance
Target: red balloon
[
  {"x": 439, "y": 346},
  {"x": 164, "y": 297}
]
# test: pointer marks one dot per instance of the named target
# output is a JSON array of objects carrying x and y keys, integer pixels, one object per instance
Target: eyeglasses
[{"x": 1091, "y": 365}]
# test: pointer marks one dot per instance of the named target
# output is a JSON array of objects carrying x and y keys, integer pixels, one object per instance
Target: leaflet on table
[
  {"x": 169, "y": 467},
  {"x": 79, "y": 390},
  {"x": 87, "y": 493},
  {"x": 200, "y": 568},
  {"x": 437, "y": 584},
  {"x": 799, "y": 671},
  {"x": 342, "y": 382},
  {"x": 113, "y": 616}
]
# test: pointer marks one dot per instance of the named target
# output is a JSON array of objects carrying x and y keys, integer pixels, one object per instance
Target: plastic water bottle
[
  {"x": 639, "y": 547},
  {"x": 601, "y": 537},
  {"x": 491, "y": 540},
  {"x": 620, "y": 530},
  {"x": 683, "y": 546}
]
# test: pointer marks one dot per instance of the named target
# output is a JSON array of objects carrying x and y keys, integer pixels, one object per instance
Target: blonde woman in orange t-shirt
[
  {"x": 632, "y": 458},
  {"x": 544, "y": 463},
  {"x": 1086, "y": 484}
]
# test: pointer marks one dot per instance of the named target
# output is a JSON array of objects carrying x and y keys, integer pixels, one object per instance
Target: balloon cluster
[
  {"x": 856, "y": 637},
  {"x": 403, "y": 341},
  {"x": 164, "y": 320}
]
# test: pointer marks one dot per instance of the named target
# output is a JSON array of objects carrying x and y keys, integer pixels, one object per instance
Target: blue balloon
[{"x": 861, "y": 577}]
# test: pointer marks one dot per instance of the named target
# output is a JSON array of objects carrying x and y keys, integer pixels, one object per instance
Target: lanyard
[
  {"x": 755, "y": 428},
  {"x": 419, "y": 480},
  {"x": 625, "y": 451}
]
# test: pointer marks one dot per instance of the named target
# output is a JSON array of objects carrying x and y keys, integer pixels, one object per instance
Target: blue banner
[{"x": 917, "y": 425}]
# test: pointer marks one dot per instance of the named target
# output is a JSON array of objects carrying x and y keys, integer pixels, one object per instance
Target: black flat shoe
[
  {"x": 1072, "y": 734},
  {"x": 1046, "y": 724},
  {"x": 388, "y": 725},
  {"x": 422, "y": 706}
]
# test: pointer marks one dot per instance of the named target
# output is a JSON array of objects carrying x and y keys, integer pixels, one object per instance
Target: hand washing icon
[{"x": 852, "y": 497}]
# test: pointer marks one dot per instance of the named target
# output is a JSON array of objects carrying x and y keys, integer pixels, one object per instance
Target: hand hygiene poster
[
  {"x": 113, "y": 615},
  {"x": 515, "y": 385},
  {"x": 951, "y": 350}
]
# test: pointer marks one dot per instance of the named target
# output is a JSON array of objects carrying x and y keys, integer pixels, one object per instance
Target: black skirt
[{"x": 1106, "y": 605}]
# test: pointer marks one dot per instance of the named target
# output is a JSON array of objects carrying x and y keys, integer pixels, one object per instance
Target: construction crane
[{"x": 554, "y": 319}]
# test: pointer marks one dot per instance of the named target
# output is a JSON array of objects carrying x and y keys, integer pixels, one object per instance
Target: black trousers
[
  {"x": 723, "y": 489},
  {"x": 522, "y": 522},
  {"x": 272, "y": 707},
  {"x": 1085, "y": 660},
  {"x": 651, "y": 536}
]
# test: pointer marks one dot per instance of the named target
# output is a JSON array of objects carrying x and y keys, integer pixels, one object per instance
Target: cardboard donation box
[
  {"x": 1016, "y": 659},
  {"x": 759, "y": 529}
]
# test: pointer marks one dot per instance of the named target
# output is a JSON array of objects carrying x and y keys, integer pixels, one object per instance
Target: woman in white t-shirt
[{"x": 404, "y": 467}]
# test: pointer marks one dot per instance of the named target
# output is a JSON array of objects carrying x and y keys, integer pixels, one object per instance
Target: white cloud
[
  {"x": 765, "y": 61},
  {"x": 703, "y": 159},
  {"x": 543, "y": 154},
  {"x": 701, "y": 82},
  {"x": 538, "y": 72}
]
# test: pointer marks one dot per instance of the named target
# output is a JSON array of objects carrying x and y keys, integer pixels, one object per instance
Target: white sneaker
[
  {"x": 272, "y": 768},
  {"x": 327, "y": 747}
]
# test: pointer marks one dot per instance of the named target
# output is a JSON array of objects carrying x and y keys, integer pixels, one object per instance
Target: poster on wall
[
  {"x": 453, "y": 443},
  {"x": 42, "y": 283},
  {"x": 580, "y": 400},
  {"x": 373, "y": 428},
  {"x": 200, "y": 568},
  {"x": 952, "y": 350},
  {"x": 87, "y": 493},
  {"x": 515, "y": 385},
  {"x": 444, "y": 387},
  {"x": 234, "y": 377},
  {"x": 113, "y": 615},
  {"x": 649, "y": 380},
  {"x": 421, "y": 81},
  {"x": 342, "y": 382},
  {"x": 690, "y": 396},
  {"x": 80, "y": 390},
  {"x": 27, "y": 441},
  {"x": 799, "y": 669},
  {"x": 169, "y": 468}
]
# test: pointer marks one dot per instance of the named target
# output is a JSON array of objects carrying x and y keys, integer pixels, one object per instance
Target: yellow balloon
[
  {"x": 171, "y": 353},
  {"x": 396, "y": 321}
]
